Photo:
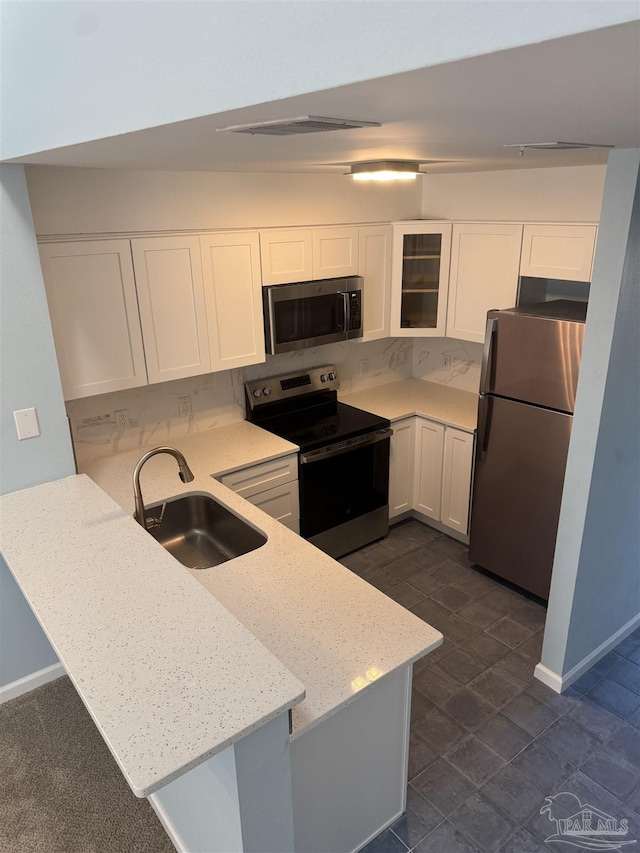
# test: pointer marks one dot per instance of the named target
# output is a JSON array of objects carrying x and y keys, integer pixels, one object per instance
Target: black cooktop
[{"x": 319, "y": 425}]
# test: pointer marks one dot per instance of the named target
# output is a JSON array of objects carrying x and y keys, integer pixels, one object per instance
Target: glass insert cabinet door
[{"x": 420, "y": 278}]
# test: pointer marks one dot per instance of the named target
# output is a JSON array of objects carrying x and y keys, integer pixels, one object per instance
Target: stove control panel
[{"x": 290, "y": 385}]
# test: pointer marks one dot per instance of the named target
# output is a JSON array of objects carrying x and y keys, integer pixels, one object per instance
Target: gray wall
[
  {"x": 595, "y": 588},
  {"x": 28, "y": 377}
]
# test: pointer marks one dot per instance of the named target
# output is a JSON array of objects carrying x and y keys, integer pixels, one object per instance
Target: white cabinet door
[
  {"x": 374, "y": 265},
  {"x": 401, "y": 466},
  {"x": 94, "y": 314},
  {"x": 172, "y": 306},
  {"x": 231, "y": 268},
  {"x": 428, "y": 468},
  {"x": 420, "y": 278},
  {"x": 456, "y": 479},
  {"x": 285, "y": 256},
  {"x": 335, "y": 252},
  {"x": 485, "y": 259},
  {"x": 281, "y": 503},
  {"x": 558, "y": 251}
]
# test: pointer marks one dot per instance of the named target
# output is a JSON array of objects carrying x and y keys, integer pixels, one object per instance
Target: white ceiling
[{"x": 452, "y": 118}]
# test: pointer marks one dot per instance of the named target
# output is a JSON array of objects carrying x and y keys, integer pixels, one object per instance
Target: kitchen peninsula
[{"x": 191, "y": 683}]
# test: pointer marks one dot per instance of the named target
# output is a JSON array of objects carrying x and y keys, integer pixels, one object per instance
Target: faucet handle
[{"x": 152, "y": 522}]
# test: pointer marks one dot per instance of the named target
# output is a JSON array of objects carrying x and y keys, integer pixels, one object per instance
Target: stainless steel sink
[{"x": 200, "y": 532}]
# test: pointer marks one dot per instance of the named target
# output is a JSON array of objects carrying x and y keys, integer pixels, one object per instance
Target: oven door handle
[{"x": 333, "y": 450}]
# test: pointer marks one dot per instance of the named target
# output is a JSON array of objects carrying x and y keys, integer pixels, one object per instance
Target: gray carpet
[{"x": 60, "y": 789}]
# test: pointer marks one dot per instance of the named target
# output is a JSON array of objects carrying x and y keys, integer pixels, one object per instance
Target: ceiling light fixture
[{"x": 385, "y": 170}]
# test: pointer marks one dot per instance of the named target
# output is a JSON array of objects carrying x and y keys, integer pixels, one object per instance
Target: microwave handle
[{"x": 346, "y": 310}]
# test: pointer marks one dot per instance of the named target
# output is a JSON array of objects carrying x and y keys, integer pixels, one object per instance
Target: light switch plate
[{"x": 26, "y": 423}]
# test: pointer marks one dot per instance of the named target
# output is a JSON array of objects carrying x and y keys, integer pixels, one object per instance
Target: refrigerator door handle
[
  {"x": 492, "y": 322},
  {"x": 483, "y": 432}
]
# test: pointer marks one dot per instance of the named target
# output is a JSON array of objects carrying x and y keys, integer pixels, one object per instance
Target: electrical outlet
[
  {"x": 402, "y": 356},
  {"x": 122, "y": 419},
  {"x": 364, "y": 366},
  {"x": 446, "y": 360},
  {"x": 184, "y": 406}
]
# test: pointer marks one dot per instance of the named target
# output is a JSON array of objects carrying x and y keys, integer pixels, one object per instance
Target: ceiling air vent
[
  {"x": 301, "y": 124},
  {"x": 555, "y": 146}
]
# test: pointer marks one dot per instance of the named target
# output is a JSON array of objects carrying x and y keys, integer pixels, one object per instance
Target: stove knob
[
  {"x": 332, "y": 375},
  {"x": 257, "y": 393},
  {"x": 324, "y": 377},
  {"x": 266, "y": 390}
]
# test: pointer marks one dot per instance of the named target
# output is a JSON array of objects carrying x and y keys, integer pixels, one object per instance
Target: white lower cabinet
[
  {"x": 456, "y": 479},
  {"x": 430, "y": 467},
  {"x": 401, "y": 467},
  {"x": 427, "y": 488},
  {"x": 272, "y": 486}
]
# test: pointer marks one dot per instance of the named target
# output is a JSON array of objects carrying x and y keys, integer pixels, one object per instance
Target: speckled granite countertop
[
  {"x": 112, "y": 601},
  {"x": 168, "y": 675},
  {"x": 408, "y": 397},
  {"x": 216, "y": 451}
]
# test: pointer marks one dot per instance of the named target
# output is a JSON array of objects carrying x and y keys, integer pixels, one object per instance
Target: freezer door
[
  {"x": 519, "y": 473},
  {"x": 535, "y": 359}
]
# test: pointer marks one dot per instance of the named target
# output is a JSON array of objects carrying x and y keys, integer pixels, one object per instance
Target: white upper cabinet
[
  {"x": 335, "y": 252},
  {"x": 374, "y": 265},
  {"x": 171, "y": 297},
  {"x": 420, "y": 278},
  {"x": 231, "y": 268},
  {"x": 558, "y": 251},
  {"x": 485, "y": 260},
  {"x": 286, "y": 255},
  {"x": 94, "y": 314},
  {"x": 304, "y": 254}
]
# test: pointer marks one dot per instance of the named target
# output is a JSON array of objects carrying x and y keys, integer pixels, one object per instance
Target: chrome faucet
[{"x": 185, "y": 475}]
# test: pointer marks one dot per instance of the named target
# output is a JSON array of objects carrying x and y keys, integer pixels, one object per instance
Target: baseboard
[
  {"x": 437, "y": 525},
  {"x": 548, "y": 677},
  {"x": 559, "y": 683},
  {"x": 167, "y": 823},
  {"x": 30, "y": 682}
]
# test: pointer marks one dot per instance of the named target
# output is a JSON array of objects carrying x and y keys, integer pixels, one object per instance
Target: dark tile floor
[{"x": 489, "y": 742}]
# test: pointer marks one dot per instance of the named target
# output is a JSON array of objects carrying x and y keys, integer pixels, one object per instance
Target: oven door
[
  {"x": 344, "y": 493},
  {"x": 298, "y": 316}
]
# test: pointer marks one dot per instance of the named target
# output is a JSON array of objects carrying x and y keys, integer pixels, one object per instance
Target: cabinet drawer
[
  {"x": 281, "y": 503},
  {"x": 266, "y": 475}
]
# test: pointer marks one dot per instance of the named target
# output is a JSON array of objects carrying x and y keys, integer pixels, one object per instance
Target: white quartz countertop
[
  {"x": 216, "y": 451},
  {"x": 175, "y": 664},
  {"x": 397, "y": 400},
  {"x": 169, "y": 676}
]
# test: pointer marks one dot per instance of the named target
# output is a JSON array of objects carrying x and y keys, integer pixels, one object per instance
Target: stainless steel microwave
[{"x": 312, "y": 313}]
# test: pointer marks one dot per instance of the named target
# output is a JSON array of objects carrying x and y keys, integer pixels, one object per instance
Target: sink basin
[{"x": 200, "y": 532}]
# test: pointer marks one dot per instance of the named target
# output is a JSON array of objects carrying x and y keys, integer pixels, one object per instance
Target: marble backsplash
[
  {"x": 465, "y": 360},
  {"x": 218, "y": 398}
]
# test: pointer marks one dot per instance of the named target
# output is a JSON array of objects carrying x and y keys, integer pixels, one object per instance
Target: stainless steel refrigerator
[{"x": 527, "y": 391}]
